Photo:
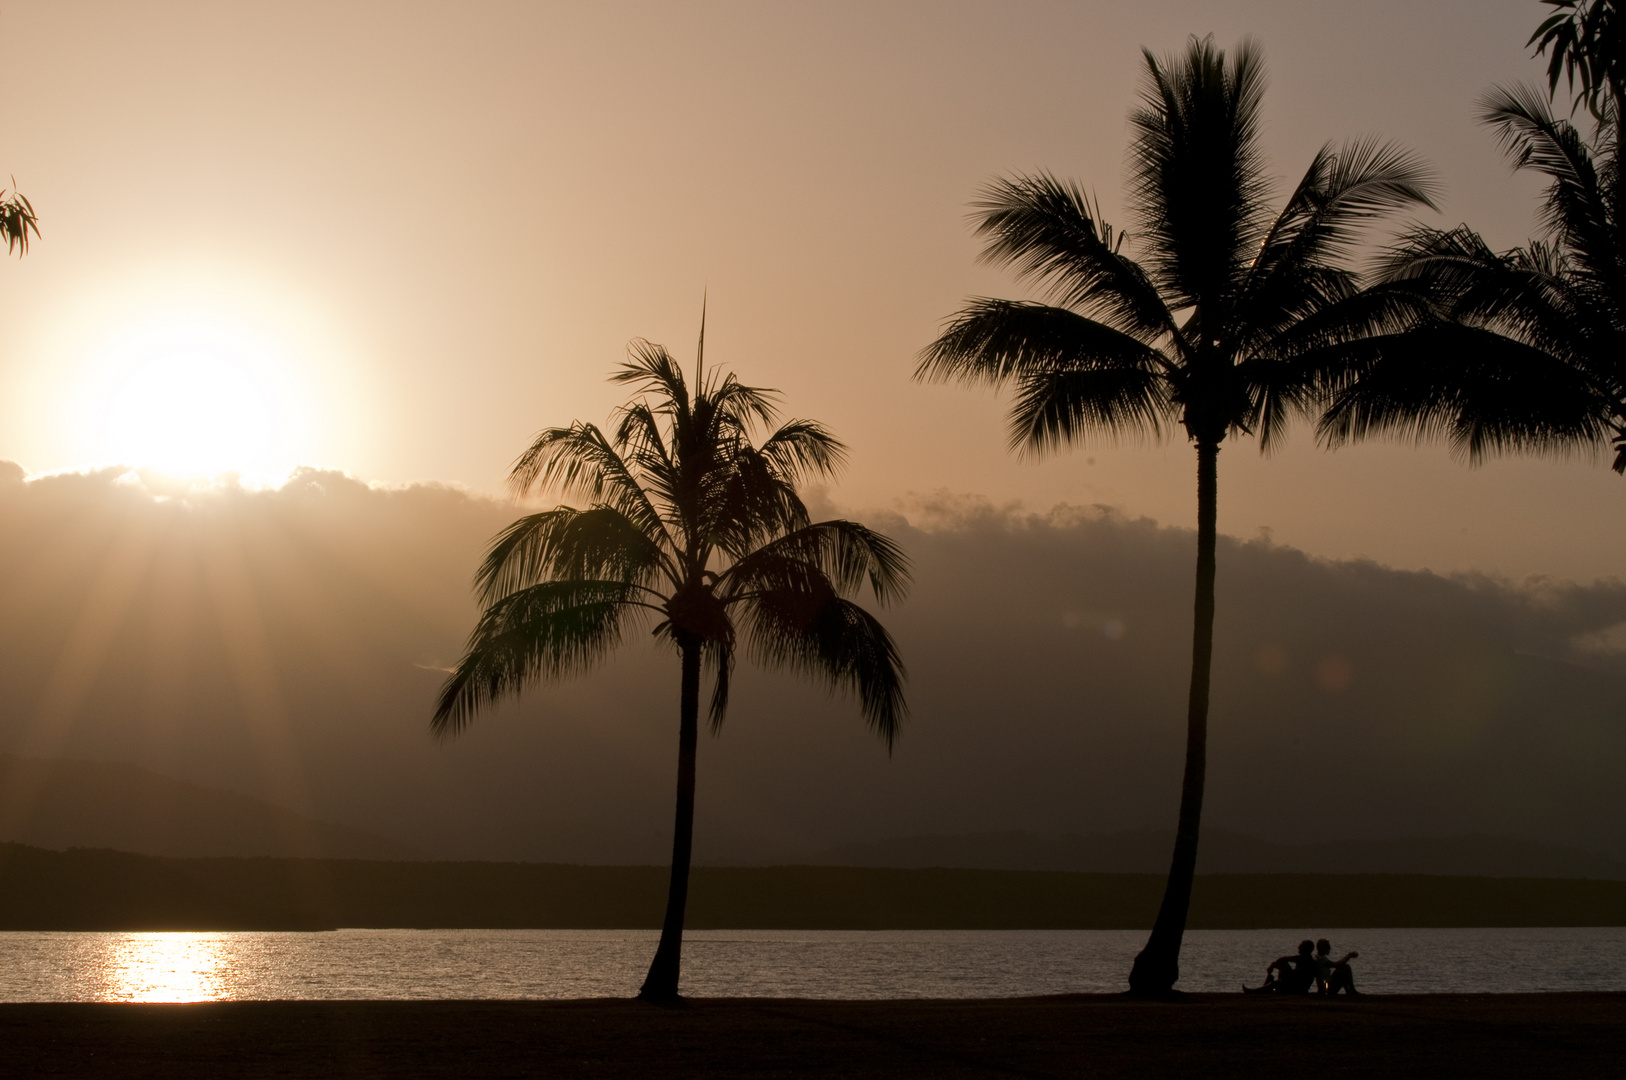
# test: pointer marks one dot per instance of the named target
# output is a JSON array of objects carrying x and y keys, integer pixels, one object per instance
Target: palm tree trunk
[
  {"x": 1158, "y": 965},
  {"x": 661, "y": 984}
]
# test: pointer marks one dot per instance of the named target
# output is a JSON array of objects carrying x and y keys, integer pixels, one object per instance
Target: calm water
[{"x": 758, "y": 963}]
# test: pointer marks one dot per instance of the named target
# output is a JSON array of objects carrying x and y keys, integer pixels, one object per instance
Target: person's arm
[{"x": 1348, "y": 957}]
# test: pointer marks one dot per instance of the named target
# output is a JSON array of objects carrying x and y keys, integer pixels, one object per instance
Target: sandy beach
[{"x": 1216, "y": 1036}]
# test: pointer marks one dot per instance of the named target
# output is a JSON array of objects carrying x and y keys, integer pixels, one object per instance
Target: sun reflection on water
[{"x": 161, "y": 967}]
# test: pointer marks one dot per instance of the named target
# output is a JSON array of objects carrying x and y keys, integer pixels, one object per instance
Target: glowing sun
[{"x": 197, "y": 392}]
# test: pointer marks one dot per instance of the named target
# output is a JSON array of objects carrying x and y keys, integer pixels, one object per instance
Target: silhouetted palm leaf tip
[
  {"x": 1588, "y": 49},
  {"x": 1219, "y": 314},
  {"x": 1522, "y": 350},
  {"x": 687, "y": 524},
  {"x": 17, "y": 220}
]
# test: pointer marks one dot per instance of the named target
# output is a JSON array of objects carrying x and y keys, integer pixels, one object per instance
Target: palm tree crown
[
  {"x": 1521, "y": 350},
  {"x": 691, "y": 526},
  {"x": 1228, "y": 323},
  {"x": 1216, "y": 326}
]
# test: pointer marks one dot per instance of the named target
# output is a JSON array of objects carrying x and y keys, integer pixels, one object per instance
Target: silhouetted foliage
[
  {"x": 17, "y": 220},
  {"x": 1521, "y": 350},
  {"x": 690, "y": 525},
  {"x": 1587, "y": 47},
  {"x": 1230, "y": 321}
]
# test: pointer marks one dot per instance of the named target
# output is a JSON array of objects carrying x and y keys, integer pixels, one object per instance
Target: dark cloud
[{"x": 288, "y": 643}]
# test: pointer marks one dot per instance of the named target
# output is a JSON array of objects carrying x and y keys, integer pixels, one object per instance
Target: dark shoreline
[
  {"x": 1103, "y": 1037},
  {"x": 84, "y": 889}
]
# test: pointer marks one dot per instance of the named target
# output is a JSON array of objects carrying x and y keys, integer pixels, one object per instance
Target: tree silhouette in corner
[
  {"x": 1522, "y": 350},
  {"x": 689, "y": 525},
  {"x": 1227, "y": 324},
  {"x": 17, "y": 220}
]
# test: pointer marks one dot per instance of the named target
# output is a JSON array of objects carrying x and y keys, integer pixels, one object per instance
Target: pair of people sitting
[{"x": 1312, "y": 969}]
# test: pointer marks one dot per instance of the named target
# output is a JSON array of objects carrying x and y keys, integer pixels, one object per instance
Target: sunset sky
[
  {"x": 383, "y": 244},
  {"x": 396, "y": 239}
]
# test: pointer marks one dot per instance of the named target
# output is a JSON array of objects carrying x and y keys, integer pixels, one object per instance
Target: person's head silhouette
[
  {"x": 1323, "y": 947},
  {"x": 1306, "y": 948}
]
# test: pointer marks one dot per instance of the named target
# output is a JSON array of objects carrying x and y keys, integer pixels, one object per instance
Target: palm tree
[
  {"x": 691, "y": 525},
  {"x": 1507, "y": 351},
  {"x": 1222, "y": 327}
]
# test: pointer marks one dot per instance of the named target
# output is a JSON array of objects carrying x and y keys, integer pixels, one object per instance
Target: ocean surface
[{"x": 765, "y": 963}]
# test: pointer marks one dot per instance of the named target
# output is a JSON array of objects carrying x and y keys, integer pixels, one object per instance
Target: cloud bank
[{"x": 288, "y": 643}]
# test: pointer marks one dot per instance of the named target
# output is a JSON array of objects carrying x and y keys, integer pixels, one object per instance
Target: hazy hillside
[
  {"x": 64, "y": 803},
  {"x": 67, "y": 804},
  {"x": 288, "y": 645},
  {"x": 1225, "y": 852}
]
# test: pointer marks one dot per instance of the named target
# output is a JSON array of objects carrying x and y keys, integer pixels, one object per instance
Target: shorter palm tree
[{"x": 692, "y": 526}]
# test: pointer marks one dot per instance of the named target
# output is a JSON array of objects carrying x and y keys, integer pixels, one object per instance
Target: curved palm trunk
[
  {"x": 1158, "y": 965},
  {"x": 661, "y": 984}
]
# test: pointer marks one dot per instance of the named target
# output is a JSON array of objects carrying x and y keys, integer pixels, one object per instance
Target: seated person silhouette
[
  {"x": 1289, "y": 974},
  {"x": 1332, "y": 975}
]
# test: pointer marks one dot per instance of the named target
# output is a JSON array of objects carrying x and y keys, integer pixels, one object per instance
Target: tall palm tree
[
  {"x": 1521, "y": 350},
  {"x": 690, "y": 525},
  {"x": 1218, "y": 328}
]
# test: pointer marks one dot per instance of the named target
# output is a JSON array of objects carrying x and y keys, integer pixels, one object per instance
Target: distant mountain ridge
[
  {"x": 64, "y": 803},
  {"x": 1223, "y": 852}
]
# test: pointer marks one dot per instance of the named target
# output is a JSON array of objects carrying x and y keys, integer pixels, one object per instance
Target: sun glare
[
  {"x": 197, "y": 392},
  {"x": 191, "y": 410}
]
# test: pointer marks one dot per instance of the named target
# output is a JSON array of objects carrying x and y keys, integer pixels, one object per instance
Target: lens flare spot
[
  {"x": 1271, "y": 659},
  {"x": 1334, "y": 673}
]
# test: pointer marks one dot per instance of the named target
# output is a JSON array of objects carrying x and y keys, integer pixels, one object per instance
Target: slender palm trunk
[
  {"x": 661, "y": 984},
  {"x": 1158, "y": 965}
]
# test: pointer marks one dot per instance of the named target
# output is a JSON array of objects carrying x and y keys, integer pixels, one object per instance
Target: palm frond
[
  {"x": 800, "y": 449},
  {"x": 747, "y": 503},
  {"x": 564, "y": 544},
  {"x": 993, "y": 341},
  {"x": 721, "y": 657},
  {"x": 542, "y": 634},
  {"x": 1056, "y": 408},
  {"x": 17, "y": 220},
  {"x": 741, "y": 405},
  {"x": 1481, "y": 392},
  {"x": 1047, "y": 230},
  {"x": 578, "y": 462},
  {"x": 1342, "y": 191},
  {"x": 838, "y": 555},
  {"x": 834, "y": 640},
  {"x": 1197, "y": 178},
  {"x": 1312, "y": 351},
  {"x": 1588, "y": 48},
  {"x": 651, "y": 369},
  {"x": 1576, "y": 208}
]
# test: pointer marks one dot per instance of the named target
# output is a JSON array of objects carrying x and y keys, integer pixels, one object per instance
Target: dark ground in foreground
[{"x": 1211, "y": 1036}]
